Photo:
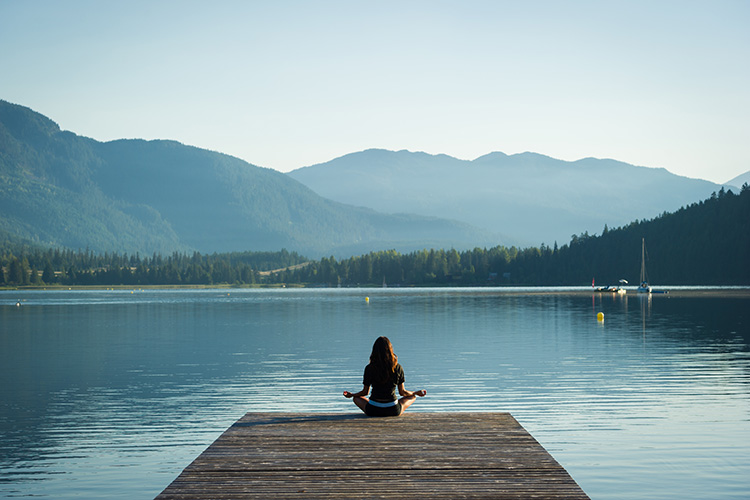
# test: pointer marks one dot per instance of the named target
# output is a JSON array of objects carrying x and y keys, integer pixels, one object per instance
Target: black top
[{"x": 383, "y": 392}]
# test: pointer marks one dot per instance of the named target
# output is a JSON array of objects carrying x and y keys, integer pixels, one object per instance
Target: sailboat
[{"x": 644, "y": 286}]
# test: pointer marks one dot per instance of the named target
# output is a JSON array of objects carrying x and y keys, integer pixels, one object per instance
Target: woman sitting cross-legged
[{"x": 384, "y": 374}]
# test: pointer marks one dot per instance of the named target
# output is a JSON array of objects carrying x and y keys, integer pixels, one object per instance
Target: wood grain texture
[{"x": 425, "y": 455}]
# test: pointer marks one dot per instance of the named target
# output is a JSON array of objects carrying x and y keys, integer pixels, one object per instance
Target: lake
[{"x": 111, "y": 393}]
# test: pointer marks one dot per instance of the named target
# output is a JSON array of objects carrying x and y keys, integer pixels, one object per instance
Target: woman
[{"x": 384, "y": 374}]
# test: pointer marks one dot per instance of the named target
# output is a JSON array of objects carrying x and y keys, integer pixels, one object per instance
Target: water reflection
[{"x": 100, "y": 388}]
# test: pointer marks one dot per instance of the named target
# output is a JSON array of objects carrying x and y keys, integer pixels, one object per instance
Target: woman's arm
[
  {"x": 407, "y": 394},
  {"x": 365, "y": 390}
]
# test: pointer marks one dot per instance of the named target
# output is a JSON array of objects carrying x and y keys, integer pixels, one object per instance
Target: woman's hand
[
  {"x": 421, "y": 393},
  {"x": 365, "y": 390}
]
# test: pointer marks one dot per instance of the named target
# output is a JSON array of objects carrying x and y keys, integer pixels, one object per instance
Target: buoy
[
  {"x": 600, "y": 316},
  {"x": 367, "y": 299}
]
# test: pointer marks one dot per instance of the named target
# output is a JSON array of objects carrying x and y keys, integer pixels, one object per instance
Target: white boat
[
  {"x": 610, "y": 288},
  {"x": 644, "y": 286}
]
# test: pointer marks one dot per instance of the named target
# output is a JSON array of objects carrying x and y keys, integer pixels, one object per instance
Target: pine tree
[
  {"x": 48, "y": 275},
  {"x": 15, "y": 271}
]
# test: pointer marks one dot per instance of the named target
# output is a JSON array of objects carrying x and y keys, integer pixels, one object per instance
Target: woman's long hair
[{"x": 382, "y": 359}]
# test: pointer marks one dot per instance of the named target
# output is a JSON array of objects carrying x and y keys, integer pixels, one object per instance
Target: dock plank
[{"x": 429, "y": 455}]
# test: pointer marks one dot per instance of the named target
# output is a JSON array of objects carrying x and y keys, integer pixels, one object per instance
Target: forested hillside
[
  {"x": 47, "y": 194},
  {"x": 707, "y": 243},
  {"x": 61, "y": 190}
]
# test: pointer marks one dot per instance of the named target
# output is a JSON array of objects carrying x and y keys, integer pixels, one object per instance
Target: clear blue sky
[{"x": 285, "y": 84}]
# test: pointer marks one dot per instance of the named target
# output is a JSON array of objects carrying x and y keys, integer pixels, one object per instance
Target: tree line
[
  {"x": 37, "y": 267},
  {"x": 706, "y": 243}
]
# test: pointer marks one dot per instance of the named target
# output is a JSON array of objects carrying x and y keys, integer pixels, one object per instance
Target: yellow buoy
[
  {"x": 600, "y": 316},
  {"x": 367, "y": 299}
]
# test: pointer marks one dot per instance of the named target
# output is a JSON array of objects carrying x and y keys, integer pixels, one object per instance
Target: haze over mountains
[
  {"x": 60, "y": 189},
  {"x": 525, "y": 199},
  {"x": 740, "y": 180}
]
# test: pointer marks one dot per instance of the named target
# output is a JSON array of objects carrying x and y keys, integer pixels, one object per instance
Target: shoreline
[{"x": 729, "y": 291}]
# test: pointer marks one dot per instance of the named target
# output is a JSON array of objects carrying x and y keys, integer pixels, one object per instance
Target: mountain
[
  {"x": 528, "y": 197},
  {"x": 705, "y": 243},
  {"x": 60, "y": 189},
  {"x": 739, "y": 181}
]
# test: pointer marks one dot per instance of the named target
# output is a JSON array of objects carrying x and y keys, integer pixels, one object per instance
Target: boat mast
[{"x": 643, "y": 260}]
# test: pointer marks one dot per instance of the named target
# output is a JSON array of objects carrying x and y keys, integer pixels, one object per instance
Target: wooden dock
[{"x": 417, "y": 455}]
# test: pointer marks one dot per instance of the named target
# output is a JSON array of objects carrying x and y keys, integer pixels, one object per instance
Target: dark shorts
[{"x": 388, "y": 411}]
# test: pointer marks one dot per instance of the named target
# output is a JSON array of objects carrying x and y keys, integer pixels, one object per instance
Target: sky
[{"x": 286, "y": 84}]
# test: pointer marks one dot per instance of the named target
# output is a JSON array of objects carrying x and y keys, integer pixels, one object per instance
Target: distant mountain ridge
[
  {"x": 60, "y": 189},
  {"x": 529, "y": 198},
  {"x": 740, "y": 180}
]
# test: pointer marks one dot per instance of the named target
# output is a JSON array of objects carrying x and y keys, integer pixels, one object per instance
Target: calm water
[{"x": 110, "y": 394}]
